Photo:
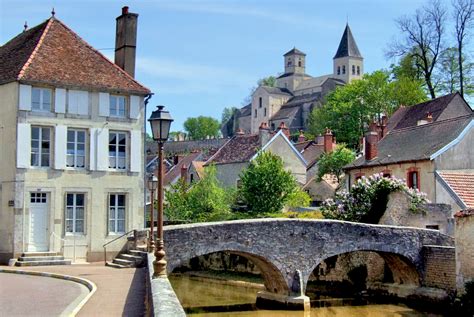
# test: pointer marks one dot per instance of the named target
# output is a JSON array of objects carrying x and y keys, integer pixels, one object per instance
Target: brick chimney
[
  {"x": 371, "y": 139},
  {"x": 328, "y": 141},
  {"x": 285, "y": 129},
  {"x": 384, "y": 126},
  {"x": 126, "y": 41},
  {"x": 264, "y": 134},
  {"x": 184, "y": 173},
  {"x": 239, "y": 132},
  {"x": 301, "y": 137},
  {"x": 429, "y": 117}
]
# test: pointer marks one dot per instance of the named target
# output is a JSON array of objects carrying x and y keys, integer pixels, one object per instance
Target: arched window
[
  {"x": 353, "y": 70},
  {"x": 343, "y": 69},
  {"x": 358, "y": 70},
  {"x": 339, "y": 70},
  {"x": 289, "y": 62}
]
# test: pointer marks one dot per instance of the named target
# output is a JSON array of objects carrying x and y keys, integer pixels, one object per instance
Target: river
[{"x": 207, "y": 299}]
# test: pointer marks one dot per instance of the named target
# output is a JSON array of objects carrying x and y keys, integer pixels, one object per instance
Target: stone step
[
  {"x": 36, "y": 254},
  {"x": 43, "y": 263},
  {"x": 138, "y": 252},
  {"x": 130, "y": 257},
  {"x": 40, "y": 258},
  {"x": 126, "y": 263},
  {"x": 142, "y": 248},
  {"x": 115, "y": 265}
]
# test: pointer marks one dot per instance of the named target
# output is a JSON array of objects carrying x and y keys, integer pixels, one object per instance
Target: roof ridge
[
  {"x": 35, "y": 50},
  {"x": 97, "y": 52},
  {"x": 430, "y": 124}
]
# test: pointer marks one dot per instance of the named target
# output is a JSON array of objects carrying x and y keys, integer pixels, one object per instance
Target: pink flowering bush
[{"x": 367, "y": 199}]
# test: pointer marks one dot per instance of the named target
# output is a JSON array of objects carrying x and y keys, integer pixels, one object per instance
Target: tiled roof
[
  {"x": 462, "y": 183},
  {"x": 312, "y": 153},
  {"x": 285, "y": 112},
  {"x": 277, "y": 91},
  {"x": 414, "y": 143},
  {"x": 294, "y": 51},
  {"x": 294, "y": 74},
  {"x": 51, "y": 53},
  {"x": 245, "y": 111},
  {"x": 347, "y": 46},
  {"x": 241, "y": 148},
  {"x": 176, "y": 147},
  {"x": 299, "y": 100},
  {"x": 175, "y": 171}
]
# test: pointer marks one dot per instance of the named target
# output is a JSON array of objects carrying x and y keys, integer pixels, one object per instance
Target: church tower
[
  {"x": 295, "y": 70},
  {"x": 348, "y": 62}
]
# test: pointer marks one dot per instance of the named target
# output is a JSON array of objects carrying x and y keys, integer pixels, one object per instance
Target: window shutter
[
  {"x": 93, "y": 149},
  {"x": 78, "y": 102},
  {"x": 60, "y": 141},
  {"x": 135, "y": 151},
  {"x": 23, "y": 145},
  {"x": 102, "y": 158},
  {"x": 134, "y": 107},
  {"x": 104, "y": 104},
  {"x": 25, "y": 98},
  {"x": 60, "y": 100}
]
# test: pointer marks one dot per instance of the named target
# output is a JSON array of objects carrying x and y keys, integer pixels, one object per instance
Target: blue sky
[{"x": 201, "y": 56}]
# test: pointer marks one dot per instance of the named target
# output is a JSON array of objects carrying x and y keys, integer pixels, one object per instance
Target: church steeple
[{"x": 348, "y": 62}]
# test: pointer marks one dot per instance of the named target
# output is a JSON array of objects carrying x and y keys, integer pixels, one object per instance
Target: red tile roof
[
  {"x": 239, "y": 149},
  {"x": 462, "y": 183},
  {"x": 51, "y": 53},
  {"x": 175, "y": 171}
]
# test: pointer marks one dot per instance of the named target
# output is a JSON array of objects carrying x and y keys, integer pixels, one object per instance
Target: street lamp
[
  {"x": 152, "y": 186},
  {"x": 160, "y": 122}
]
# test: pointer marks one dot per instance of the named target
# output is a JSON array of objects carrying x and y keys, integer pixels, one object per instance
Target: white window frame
[
  {"x": 114, "y": 102},
  {"x": 39, "y": 153},
  {"x": 75, "y": 219},
  {"x": 75, "y": 144},
  {"x": 113, "y": 215},
  {"x": 42, "y": 107},
  {"x": 116, "y": 157}
]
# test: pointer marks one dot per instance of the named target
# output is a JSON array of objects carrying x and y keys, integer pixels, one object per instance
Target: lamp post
[
  {"x": 160, "y": 121},
  {"x": 152, "y": 186}
]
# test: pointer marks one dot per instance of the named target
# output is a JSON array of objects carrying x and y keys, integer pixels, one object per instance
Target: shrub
[{"x": 367, "y": 199}]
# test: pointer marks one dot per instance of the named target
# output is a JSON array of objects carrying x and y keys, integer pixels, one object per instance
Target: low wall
[
  {"x": 464, "y": 248},
  {"x": 161, "y": 299},
  {"x": 439, "y": 267}
]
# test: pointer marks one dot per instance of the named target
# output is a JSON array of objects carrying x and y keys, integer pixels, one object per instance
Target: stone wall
[
  {"x": 439, "y": 267},
  {"x": 464, "y": 248}
]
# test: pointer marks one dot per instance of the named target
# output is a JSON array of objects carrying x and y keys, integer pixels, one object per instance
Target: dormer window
[
  {"x": 343, "y": 69},
  {"x": 118, "y": 106},
  {"x": 339, "y": 70},
  {"x": 353, "y": 70},
  {"x": 41, "y": 99}
]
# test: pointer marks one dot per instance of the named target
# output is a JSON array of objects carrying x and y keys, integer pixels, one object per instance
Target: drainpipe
[{"x": 146, "y": 100}]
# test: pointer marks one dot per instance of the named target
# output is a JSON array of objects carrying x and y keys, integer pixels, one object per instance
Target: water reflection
[{"x": 205, "y": 298}]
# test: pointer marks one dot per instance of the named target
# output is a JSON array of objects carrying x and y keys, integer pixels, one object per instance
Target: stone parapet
[{"x": 464, "y": 236}]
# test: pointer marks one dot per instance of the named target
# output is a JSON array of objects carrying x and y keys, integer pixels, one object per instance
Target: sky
[{"x": 201, "y": 56}]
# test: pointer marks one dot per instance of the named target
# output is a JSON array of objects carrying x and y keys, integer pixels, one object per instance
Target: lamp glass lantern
[
  {"x": 160, "y": 121},
  {"x": 152, "y": 182}
]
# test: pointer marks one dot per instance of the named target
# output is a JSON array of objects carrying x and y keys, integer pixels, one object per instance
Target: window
[
  {"x": 289, "y": 62},
  {"x": 358, "y": 70},
  {"x": 117, "y": 213},
  {"x": 300, "y": 63},
  {"x": 191, "y": 178},
  {"x": 353, "y": 70},
  {"x": 117, "y": 150},
  {"x": 260, "y": 102},
  {"x": 264, "y": 112},
  {"x": 339, "y": 70},
  {"x": 413, "y": 179},
  {"x": 40, "y": 146},
  {"x": 343, "y": 69},
  {"x": 255, "y": 113},
  {"x": 76, "y": 148},
  {"x": 38, "y": 198},
  {"x": 118, "y": 106},
  {"x": 74, "y": 213},
  {"x": 41, "y": 99}
]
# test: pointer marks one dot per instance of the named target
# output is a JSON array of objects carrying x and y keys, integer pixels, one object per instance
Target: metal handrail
[{"x": 106, "y": 244}]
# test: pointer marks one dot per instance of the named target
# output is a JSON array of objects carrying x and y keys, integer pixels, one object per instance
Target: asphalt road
[{"x": 26, "y": 295}]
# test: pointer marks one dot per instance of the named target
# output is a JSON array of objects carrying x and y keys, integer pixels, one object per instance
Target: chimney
[
  {"x": 371, "y": 139},
  {"x": 239, "y": 132},
  {"x": 184, "y": 173},
  {"x": 328, "y": 144},
  {"x": 320, "y": 140},
  {"x": 263, "y": 134},
  {"x": 126, "y": 41},
  {"x": 429, "y": 117},
  {"x": 285, "y": 129},
  {"x": 384, "y": 126},
  {"x": 301, "y": 137}
]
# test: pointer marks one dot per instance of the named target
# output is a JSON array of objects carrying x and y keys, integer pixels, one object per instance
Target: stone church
[{"x": 296, "y": 93}]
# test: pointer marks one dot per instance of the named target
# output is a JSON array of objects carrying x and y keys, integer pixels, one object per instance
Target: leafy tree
[
  {"x": 450, "y": 79},
  {"x": 201, "y": 127},
  {"x": 205, "y": 200},
  {"x": 349, "y": 109},
  {"x": 332, "y": 163},
  {"x": 299, "y": 198},
  {"x": 265, "y": 185},
  {"x": 227, "y": 114},
  {"x": 269, "y": 81}
]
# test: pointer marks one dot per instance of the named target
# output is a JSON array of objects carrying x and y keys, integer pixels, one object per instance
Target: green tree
[
  {"x": 201, "y": 127},
  {"x": 265, "y": 185},
  {"x": 332, "y": 162},
  {"x": 269, "y": 81},
  {"x": 227, "y": 114}
]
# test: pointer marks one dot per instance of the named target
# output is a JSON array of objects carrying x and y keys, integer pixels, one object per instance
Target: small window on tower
[
  {"x": 353, "y": 70},
  {"x": 255, "y": 113},
  {"x": 264, "y": 112},
  {"x": 300, "y": 63},
  {"x": 358, "y": 70},
  {"x": 339, "y": 70},
  {"x": 343, "y": 69},
  {"x": 289, "y": 62},
  {"x": 260, "y": 102}
]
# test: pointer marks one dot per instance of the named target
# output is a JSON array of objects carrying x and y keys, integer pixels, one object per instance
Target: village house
[
  {"x": 430, "y": 145},
  {"x": 234, "y": 156},
  {"x": 71, "y": 134},
  {"x": 296, "y": 93}
]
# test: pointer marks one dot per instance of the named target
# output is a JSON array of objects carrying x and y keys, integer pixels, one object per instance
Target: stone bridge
[{"x": 288, "y": 250}]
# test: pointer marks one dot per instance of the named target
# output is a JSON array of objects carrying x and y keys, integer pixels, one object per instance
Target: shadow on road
[{"x": 135, "y": 302}]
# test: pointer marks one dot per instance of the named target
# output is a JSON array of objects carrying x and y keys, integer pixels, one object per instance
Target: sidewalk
[{"x": 120, "y": 292}]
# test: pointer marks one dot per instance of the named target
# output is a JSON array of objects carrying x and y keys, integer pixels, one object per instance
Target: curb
[{"x": 90, "y": 285}]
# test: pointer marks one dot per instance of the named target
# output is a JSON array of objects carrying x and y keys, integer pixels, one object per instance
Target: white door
[{"x": 38, "y": 222}]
